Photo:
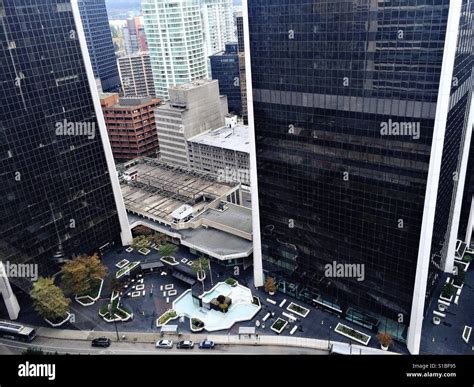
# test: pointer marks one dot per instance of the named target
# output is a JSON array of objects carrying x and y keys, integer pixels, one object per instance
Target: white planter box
[
  {"x": 301, "y": 314},
  {"x": 282, "y": 328},
  {"x": 340, "y": 326},
  {"x": 55, "y": 325},
  {"x": 466, "y": 334}
]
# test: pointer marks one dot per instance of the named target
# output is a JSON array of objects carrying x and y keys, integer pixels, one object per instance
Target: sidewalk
[{"x": 134, "y": 337}]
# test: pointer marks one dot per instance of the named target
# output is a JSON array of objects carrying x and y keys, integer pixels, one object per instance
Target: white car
[{"x": 164, "y": 344}]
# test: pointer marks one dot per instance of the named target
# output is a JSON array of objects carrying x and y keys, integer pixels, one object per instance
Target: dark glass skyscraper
[
  {"x": 225, "y": 68},
  {"x": 360, "y": 111},
  {"x": 59, "y": 192},
  {"x": 99, "y": 42}
]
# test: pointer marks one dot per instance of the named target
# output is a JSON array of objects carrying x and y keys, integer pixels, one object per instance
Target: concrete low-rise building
[
  {"x": 193, "y": 108},
  {"x": 224, "y": 151},
  {"x": 193, "y": 209}
]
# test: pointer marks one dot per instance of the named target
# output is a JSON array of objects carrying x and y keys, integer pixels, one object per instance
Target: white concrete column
[
  {"x": 458, "y": 193},
  {"x": 470, "y": 224},
  {"x": 126, "y": 234},
  {"x": 257, "y": 243},
  {"x": 426, "y": 234},
  {"x": 9, "y": 297}
]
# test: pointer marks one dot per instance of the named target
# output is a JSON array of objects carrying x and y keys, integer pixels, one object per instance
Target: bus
[{"x": 15, "y": 331}]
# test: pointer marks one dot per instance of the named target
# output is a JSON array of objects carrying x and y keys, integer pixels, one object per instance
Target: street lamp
[
  {"x": 329, "y": 337},
  {"x": 115, "y": 322}
]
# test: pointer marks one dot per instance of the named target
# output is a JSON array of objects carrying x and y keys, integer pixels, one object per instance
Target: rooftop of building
[
  {"x": 155, "y": 189},
  {"x": 128, "y": 102},
  {"x": 236, "y": 138},
  {"x": 192, "y": 85}
]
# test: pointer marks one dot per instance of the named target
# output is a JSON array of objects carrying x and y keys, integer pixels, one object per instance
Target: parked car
[
  {"x": 164, "y": 344},
  {"x": 103, "y": 342},
  {"x": 207, "y": 344},
  {"x": 185, "y": 344}
]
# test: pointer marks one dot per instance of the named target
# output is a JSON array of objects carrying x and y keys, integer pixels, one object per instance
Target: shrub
[
  {"x": 270, "y": 285},
  {"x": 385, "y": 339},
  {"x": 448, "y": 290}
]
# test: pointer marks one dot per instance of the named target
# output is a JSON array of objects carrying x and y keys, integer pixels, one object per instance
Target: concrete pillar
[{"x": 8, "y": 296}]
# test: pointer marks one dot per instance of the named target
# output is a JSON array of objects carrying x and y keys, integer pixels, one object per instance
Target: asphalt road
[{"x": 9, "y": 347}]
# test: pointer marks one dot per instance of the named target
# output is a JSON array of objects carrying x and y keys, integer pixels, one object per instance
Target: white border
[
  {"x": 257, "y": 243},
  {"x": 126, "y": 234}
]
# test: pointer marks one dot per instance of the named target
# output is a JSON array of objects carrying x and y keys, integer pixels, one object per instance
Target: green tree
[
  {"x": 115, "y": 285},
  {"x": 82, "y": 274},
  {"x": 140, "y": 242},
  {"x": 201, "y": 264},
  {"x": 49, "y": 300},
  {"x": 167, "y": 250}
]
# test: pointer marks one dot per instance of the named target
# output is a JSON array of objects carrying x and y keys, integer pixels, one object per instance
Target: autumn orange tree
[{"x": 82, "y": 274}]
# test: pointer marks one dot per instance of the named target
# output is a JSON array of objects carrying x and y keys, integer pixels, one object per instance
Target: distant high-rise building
[
  {"x": 218, "y": 25},
  {"x": 59, "y": 192},
  {"x": 225, "y": 67},
  {"x": 362, "y": 114},
  {"x": 239, "y": 24},
  {"x": 131, "y": 125},
  {"x": 193, "y": 108},
  {"x": 243, "y": 87},
  {"x": 134, "y": 35},
  {"x": 136, "y": 75},
  {"x": 99, "y": 43},
  {"x": 175, "y": 42}
]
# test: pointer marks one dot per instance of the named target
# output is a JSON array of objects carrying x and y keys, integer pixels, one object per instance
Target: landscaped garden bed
[
  {"x": 59, "y": 321},
  {"x": 170, "y": 261},
  {"x": 221, "y": 303},
  {"x": 447, "y": 292},
  {"x": 466, "y": 334},
  {"x": 91, "y": 297},
  {"x": 166, "y": 317},
  {"x": 231, "y": 281},
  {"x": 122, "y": 263},
  {"x": 127, "y": 269},
  {"x": 144, "y": 251},
  {"x": 298, "y": 309},
  {"x": 279, "y": 325},
  {"x": 353, "y": 334},
  {"x": 115, "y": 312},
  {"x": 196, "y": 325}
]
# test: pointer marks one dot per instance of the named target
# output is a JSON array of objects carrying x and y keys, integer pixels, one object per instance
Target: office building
[
  {"x": 59, "y": 192},
  {"x": 225, "y": 67},
  {"x": 136, "y": 75},
  {"x": 134, "y": 37},
  {"x": 99, "y": 43},
  {"x": 224, "y": 152},
  {"x": 362, "y": 116},
  {"x": 193, "y": 108},
  {"x": 239, "y": 25},
  {"x": 175, "y": 42},
  {"x": 218, "y": 25},
  {"x": 131, "y": 126}
]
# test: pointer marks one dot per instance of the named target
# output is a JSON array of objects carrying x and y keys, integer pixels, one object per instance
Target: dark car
[
  {"x": 103, "y": 342},
  {"x": 186, "y": 344},
  {"x": 206, "y": 344}
]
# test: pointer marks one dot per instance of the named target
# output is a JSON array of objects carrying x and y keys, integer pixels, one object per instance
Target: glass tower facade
[
  {"x": 226, "y": 69},
  {"x": 56, "y": 188},
  {"x": 345, "y": 101},
  {"x": 99, "y": 42}
]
